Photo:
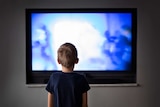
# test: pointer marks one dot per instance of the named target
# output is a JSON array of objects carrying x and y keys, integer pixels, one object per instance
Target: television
[{"x": 104, "y": 37}]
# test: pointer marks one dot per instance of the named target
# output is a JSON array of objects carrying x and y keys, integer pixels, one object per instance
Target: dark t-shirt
[{"x": 67, "y": 89}]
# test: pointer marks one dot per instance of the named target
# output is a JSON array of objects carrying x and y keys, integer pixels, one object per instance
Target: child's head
[{"x": 67, "y": 55}]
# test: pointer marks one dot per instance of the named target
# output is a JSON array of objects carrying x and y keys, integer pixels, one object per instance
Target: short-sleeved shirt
[{"x": 67, "y": 89}]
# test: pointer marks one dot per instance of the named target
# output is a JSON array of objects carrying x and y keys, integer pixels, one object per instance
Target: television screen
[{"x": 105, "y": 39}]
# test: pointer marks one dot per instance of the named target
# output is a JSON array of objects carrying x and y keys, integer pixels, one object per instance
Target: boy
[{"x": 66, "y": 88}]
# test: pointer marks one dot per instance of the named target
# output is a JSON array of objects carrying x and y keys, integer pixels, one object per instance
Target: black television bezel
[{"x": 93, "y": 77}]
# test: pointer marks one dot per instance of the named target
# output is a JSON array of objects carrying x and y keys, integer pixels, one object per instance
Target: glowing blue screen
[{"x": 103, "y": 40}]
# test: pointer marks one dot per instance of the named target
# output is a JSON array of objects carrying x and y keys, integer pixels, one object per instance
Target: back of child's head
[{"x": 67, "y": 55}]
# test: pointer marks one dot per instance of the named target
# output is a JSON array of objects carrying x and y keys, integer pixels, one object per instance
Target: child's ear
[
  {"x": 58, "y": 61},
  {"x": 77, "y": 61}
]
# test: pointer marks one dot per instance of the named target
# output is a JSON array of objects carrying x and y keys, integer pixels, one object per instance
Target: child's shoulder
[
  {"x": 55, "y": 74},
  {"x": 62, "y": 74},
  {"x": 80, "y": 75}
]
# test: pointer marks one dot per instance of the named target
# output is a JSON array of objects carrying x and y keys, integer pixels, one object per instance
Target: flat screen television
[{"x": 105, "y": 39}]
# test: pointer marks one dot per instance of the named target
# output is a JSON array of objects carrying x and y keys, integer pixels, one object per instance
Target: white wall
[{"x": 14, "y": 92}]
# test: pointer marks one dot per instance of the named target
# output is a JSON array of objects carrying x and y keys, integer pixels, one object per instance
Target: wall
[{"x": 14, "y": 92}]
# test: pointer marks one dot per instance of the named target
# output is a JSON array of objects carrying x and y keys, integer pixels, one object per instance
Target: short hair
[{"x": 67, "y": 55}]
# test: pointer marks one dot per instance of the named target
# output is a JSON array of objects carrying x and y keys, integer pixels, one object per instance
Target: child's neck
[{"x": 67, "y": 70}]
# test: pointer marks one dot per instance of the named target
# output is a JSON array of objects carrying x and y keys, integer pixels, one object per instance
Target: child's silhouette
[{"x": 67, "y": 88}]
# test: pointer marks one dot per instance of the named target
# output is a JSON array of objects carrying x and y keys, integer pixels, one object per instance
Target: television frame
[{"x": 93, "y": 77}]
